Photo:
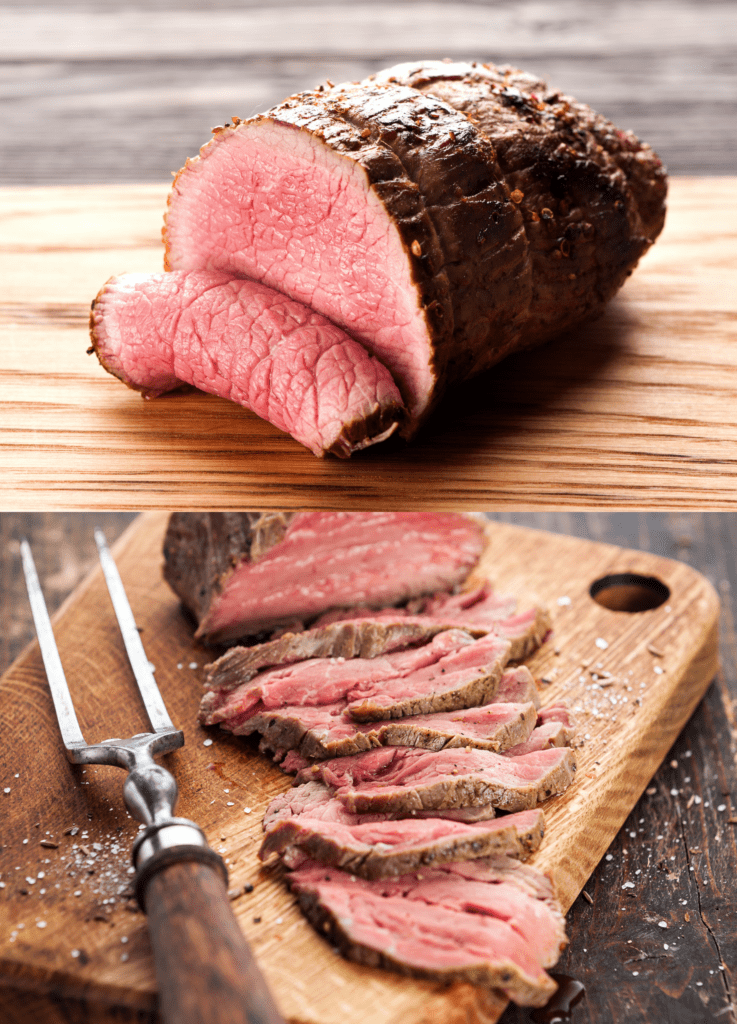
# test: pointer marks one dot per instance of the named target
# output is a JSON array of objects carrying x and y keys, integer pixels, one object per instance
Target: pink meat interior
[
  {"x": 276, "y": 204},
  {"x": 325, "y": 561}
]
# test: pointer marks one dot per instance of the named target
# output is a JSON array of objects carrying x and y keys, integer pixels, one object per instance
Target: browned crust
[{"x": 591, "y": 196}]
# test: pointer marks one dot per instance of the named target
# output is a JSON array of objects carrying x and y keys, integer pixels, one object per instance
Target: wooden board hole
[{"x": 629, "y": 592}]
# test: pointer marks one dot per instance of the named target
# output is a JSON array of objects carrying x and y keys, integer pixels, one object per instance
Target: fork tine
[
  {"x": 155, "y": 707},
  {"x": 71, "y": 733}
]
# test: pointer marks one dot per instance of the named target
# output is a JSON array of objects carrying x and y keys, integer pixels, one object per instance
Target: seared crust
[{"x": 591, "y": 196}]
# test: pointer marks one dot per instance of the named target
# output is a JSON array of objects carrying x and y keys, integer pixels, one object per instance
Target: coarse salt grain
[
  {"x": 662, "y": 924},
  {"x": 246, "y": 810},
  {"x": 75, "y": 952},
  {"x": 628, "y": 885},
  {"x": 601, "y": 643},
  {"x": 722, "y": 807},
  {"x": 563, "y": 601},
  {"x": 230, "y": 804},
  {"x": 193, "y": 664},
  {"x": 40, "y": 924},
  {"x": 7, "y": 789},
  {"x": 207, "y": 743}
]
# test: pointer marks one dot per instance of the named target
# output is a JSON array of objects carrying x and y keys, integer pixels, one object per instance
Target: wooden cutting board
[
  {"x": 636, "y": 409},
  {"x": 68, "y": 928}
]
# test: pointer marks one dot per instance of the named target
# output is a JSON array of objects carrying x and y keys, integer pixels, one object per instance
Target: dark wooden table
[
  {"x": 677, "y": 846},
  {"x": 103, "y": 91}
]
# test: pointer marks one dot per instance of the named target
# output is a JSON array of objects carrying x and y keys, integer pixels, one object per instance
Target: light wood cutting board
[
  {"x": 71, "y": 932},
  {"x": 636, "y": 409}
]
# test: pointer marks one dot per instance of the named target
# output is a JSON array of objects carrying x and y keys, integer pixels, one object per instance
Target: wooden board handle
[{"x": 205, "y": 971}]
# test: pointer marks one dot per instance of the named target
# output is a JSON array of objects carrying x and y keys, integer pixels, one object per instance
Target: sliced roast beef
[
  {"x": 386, "y": 848},
  {"x": 518, "y": 687},
  {"x": 405, "y": 778},
  {"x": 452, "y": 671},
  {"x": 486, "y": 929},
  {"x": 323, "y": 732},
  {"x": 241, "y": 340},
  {"x": 315, "y": 800},
  {"x": 242, "y": 573},
  {"x": 555, "y": 728},
  {"x": 592, "y": 197}
]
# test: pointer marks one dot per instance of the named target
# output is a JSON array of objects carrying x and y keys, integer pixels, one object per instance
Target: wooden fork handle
[{"x": 205, "y": 971}]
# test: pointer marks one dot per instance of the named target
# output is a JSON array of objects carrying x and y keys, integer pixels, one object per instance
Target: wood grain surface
[
  {"x": 623, "y": 744},
  {"x": 637, "y": 409}
]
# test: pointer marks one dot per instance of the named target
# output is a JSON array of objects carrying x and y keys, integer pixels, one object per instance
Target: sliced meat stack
[
  {"x": 442, "y": 215},
  {"x": 420, "y": 754},
  {"x": 242, "y": 573}
]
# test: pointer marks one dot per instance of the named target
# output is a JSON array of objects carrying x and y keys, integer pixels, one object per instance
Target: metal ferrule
[{"x": 166, "y": 835}]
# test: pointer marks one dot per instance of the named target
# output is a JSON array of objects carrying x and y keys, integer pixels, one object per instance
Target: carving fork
[{"x": 205, "y": 970}]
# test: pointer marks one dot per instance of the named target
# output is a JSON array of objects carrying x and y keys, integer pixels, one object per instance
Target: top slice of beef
[
  {"x": 243, "y": 341},
  {"x": 243, "y": 573}
]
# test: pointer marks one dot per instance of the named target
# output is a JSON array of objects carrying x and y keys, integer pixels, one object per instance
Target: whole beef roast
[
  {"x": 242, "y": 573},
  {"x": 244, "y": 341},
  {"x": 386, "y": 848},
  {"x": 491, "y": 922},
  {"x": 442, "y": 214}
]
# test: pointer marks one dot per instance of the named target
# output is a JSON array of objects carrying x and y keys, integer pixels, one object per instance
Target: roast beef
[
  {"x": 555, "y": 728},
  {"x": 244, "y": 341},
  {"x": 325, "y": 732},
  {"x": 242, "y": 573},
  {"x": 315, "y": 800},
  {"x": 491, "y": 922},
  {"x": 518, "y": 687},
  {"x": 440, "y": 238},
  {"x": 452, "y": 671},
  {"x": 385, "y": 848},
  {"x": 405, "y": 778}
]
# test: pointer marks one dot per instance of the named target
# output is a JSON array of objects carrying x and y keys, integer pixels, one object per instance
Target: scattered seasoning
[
  {"x": 587, "y": 897},
  {"x": 674, "y": 764},
  {"x": 651, "y": 791},
  {"x": 517, "y": 196},
  {"x": 49, "y": 844},
  {"x": 416, "y": 248},
  {"x": 655, "y": 651}
]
